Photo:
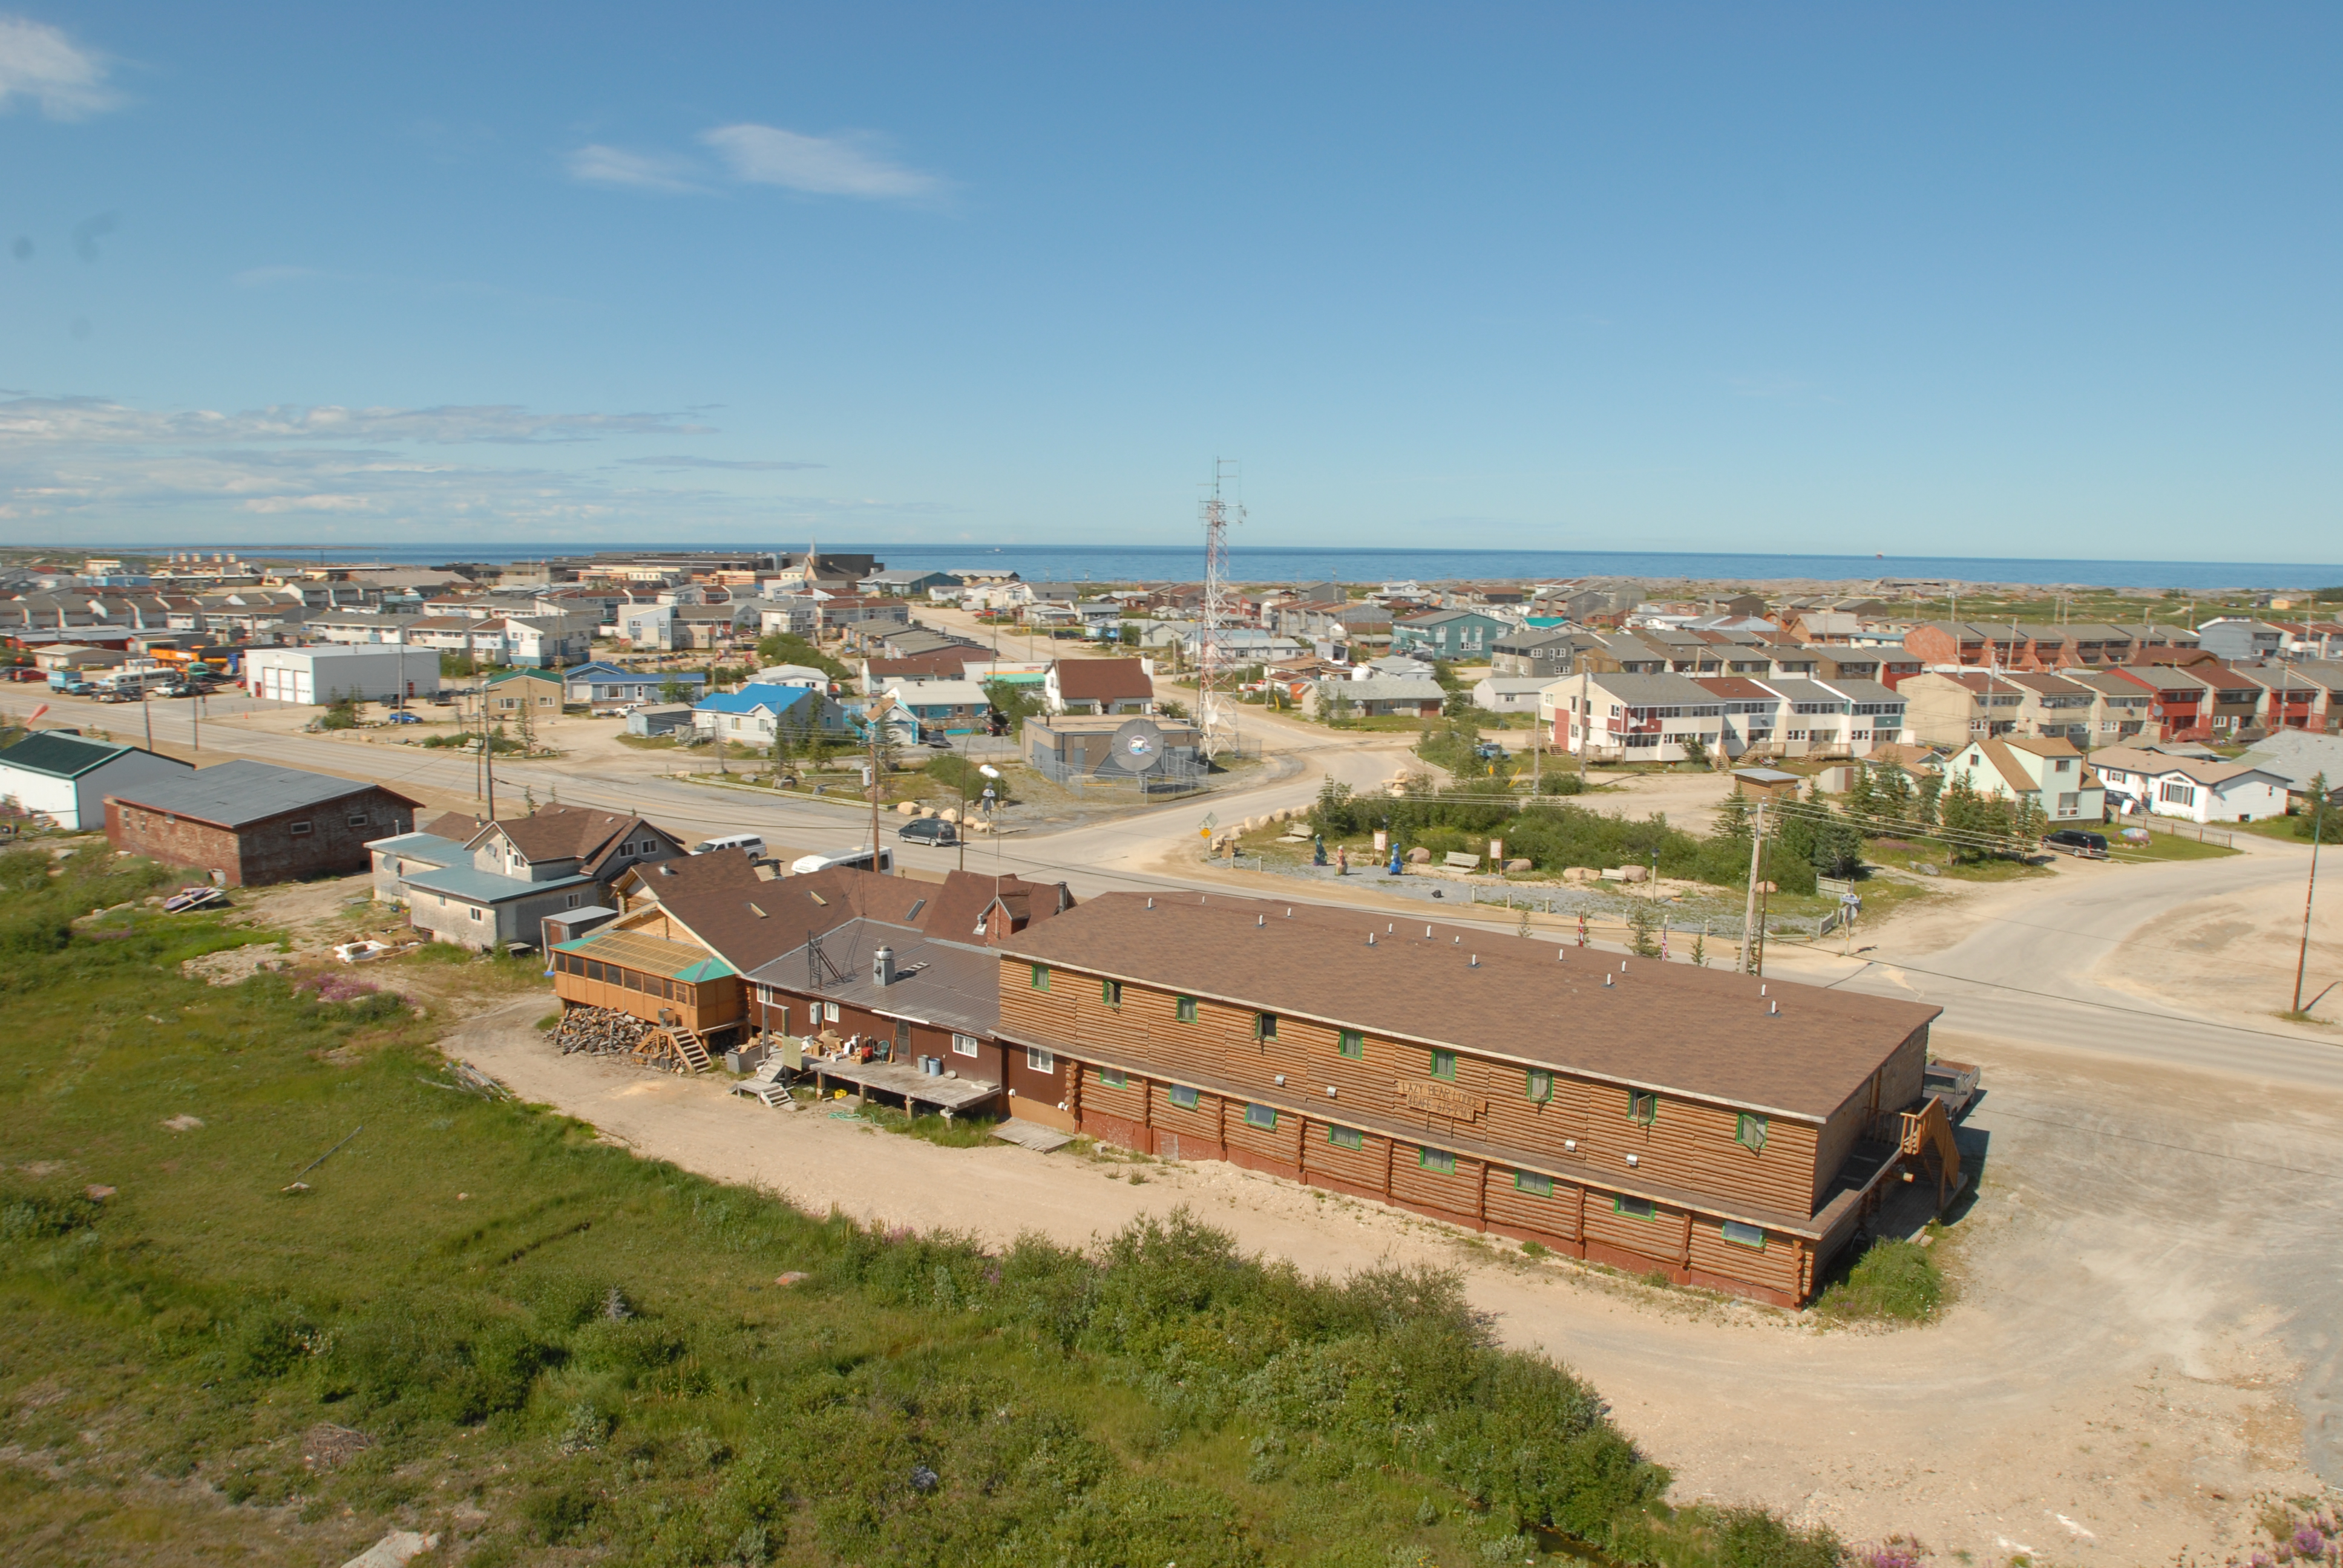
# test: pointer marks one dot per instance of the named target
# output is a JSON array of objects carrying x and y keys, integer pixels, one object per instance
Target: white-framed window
[
  {"x": 1041, "y": 1060},
  {"x": 2178, "y": 793},
  {"x": 357, "y": 819},
  {"x": 298, "y": 828},
  {"x": 963, "y": 1045},
  {"x": 829, "y": 1011},
  {"x": 573, "y": 900},
  {"x": 475, "y": 912}
]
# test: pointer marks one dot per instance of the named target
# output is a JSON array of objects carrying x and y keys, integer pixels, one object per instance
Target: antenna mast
[{"x": 1216, "y": 717}]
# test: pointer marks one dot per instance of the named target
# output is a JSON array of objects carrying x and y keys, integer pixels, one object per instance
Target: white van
[
  {"x": 857, "y": 859},
  {"x": 748, "y": 844}
]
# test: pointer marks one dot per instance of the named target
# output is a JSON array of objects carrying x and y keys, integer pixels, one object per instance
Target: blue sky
[{"x": 1974, "y": 280}]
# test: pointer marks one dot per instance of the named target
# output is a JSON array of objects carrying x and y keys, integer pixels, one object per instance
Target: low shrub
[{"x": 1894, "y": 1280}]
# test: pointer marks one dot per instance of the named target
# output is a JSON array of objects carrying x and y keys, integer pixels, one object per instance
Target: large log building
[{"x": 1727, "y": 1131}]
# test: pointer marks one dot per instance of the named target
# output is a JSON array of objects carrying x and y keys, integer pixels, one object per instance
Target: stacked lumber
[{"x": 601, "y": 1031}]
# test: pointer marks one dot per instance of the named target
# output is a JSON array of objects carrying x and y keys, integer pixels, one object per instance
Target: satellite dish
[{"x": 1138, "y": 747}]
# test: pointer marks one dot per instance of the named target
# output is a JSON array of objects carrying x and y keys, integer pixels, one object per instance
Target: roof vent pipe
[
  {"x": 1773, "y": 1010},
  {"x": 1260, "y": 920},
  {"x": 1606, "y": 979},
  {"x": 883, "y": 967},
  {"x": 1151, "y": 903},
  {"x": 1371, "y": 938},
  {"x": 1761, "y": 991},
  {"x": 1476, "y": 961}
]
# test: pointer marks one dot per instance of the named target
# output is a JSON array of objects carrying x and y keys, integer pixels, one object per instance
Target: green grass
[
  {"x": 556, "y": 1351},
  {"x": 2168, "y": 847},
  {"x": 1893, "y": 1280}
]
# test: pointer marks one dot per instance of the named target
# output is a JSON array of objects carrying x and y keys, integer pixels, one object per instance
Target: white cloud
[
  {"x": 41, "y": 64},
  {"x": 601, "y": 165},
  {"x": 82, "y": 466},
  {"x": 96, "y": 421},
  {"x": 753, "y": 465},
  {"x": 843, "y": 164}
]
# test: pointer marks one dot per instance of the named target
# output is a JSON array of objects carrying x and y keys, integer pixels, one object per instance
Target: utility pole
[
  {"x": 2302, "y": 959},
  {"x": 1749, "y": 904},
  {"x": 873, "y": 727},
  {"x": 147, "y": 706},
  {"x": 1586, "y": 724},
  {"x": 489, "y": 757}
]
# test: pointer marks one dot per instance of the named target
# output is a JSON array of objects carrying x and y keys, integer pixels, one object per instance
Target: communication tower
[{"x": 1216, "y": 706}]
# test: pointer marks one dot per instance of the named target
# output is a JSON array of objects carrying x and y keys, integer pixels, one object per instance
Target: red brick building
[{"x": 248, "y": 823}]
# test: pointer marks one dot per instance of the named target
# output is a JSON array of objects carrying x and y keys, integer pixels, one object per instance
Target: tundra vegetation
[{"x": 475, "y": 1317}]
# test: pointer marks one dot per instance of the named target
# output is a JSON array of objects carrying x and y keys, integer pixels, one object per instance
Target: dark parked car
[
  {"x": 2075, "y": 841},
  {"x": 928, "y": 831}
]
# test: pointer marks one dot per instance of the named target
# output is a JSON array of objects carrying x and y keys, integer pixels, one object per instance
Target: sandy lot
[{"x": 2111, "y": 1384}]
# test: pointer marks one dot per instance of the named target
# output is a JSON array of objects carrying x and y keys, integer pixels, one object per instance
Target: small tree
[
  {"x": 671, "y": 690},
  {"x": 1861, "y": 795},
  {"x": 2320, "y": 818},
  {"x": 1695, "y": 752},
  {"x": 1641, "y": 922},
  {"x": 341, "y": 713},
  {"x": 1732, "y": 816}
]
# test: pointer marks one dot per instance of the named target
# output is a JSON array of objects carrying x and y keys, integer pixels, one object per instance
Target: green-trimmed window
[
  {"x": 1642, "y": 1107},
  {"x": 1110, "y": 993},
  {"x": 1351, "y": 1044},
  {"x": 1040, "y": 977},
  {"x": 1749, "y": 1131},
  {"x": 1438, "y": 1160},
  {"x": 1741, "y": 1235},
  {"x": 1184, "y": 1097},
  {"x": 1113, "y": 1076},
  {"x": 1531, "y": 1181},
  {"x": 1265, "y": 1026},
  {"x": 1443, "y": 1065},
  {"x": 1260, "y": 1116},
  {"x": 1346, "y": 1138},
  {"x": 1541, "y": 1086},
  {"x": 1634, "y": 1208},
  {"x": 1184, "y": 1009}
]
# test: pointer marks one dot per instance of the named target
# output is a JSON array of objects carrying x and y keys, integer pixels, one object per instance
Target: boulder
[
  {"x": 1419, "y": 856},
  {"x": 1516, "y": 867},
  {"x": 1634, "y": 873},
  {"x": 949, "y": 813},
  {"x": 1580, "y": 874},
  {"x": 909, "y": 808}
]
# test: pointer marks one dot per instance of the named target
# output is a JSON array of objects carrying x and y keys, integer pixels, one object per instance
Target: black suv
[
  {"x": 928, "y": 831},
  {"x": 2075, "y": 841}
]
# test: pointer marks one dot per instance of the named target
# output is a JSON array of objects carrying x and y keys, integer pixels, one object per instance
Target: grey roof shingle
[{"x": 235, "y": 793}]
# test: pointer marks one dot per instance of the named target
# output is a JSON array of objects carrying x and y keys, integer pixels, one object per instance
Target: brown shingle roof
[
  {"x": 1696, "y": 1031},
  {"x": 1104, "y": 681}
]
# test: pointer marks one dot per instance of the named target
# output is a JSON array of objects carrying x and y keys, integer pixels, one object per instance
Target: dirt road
[{"x": 2111, "y": 1384}]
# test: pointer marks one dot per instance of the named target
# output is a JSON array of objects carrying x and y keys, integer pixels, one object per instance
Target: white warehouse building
[{"x": 379, "y": 672}]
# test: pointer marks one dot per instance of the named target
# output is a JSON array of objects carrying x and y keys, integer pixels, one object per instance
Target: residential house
[
  {"x": 2319, "y": 639},
  {"x": 1950, "y": 708},
  {"x": 864, "y": 613},
  {"x": 247, "y": 823},
  {"x": 1375, "y": 697},
  {"x": 1085, "y": 746},
  {"x": 357, "y": 626},
  {"x": 515, "y": 872},
  {"x": 2239, "y": 638},
  {"x": 653, "y": 719},
  {"x": 1637, "y": 718},
  {"x": 607, "y": 686},
  {"x": 2154, "y": 783},
  {"x": 1509, "y": 693},
  {"x": 798, "y": 616},
  {"x": 2301, "y": 758},
  {"x": 1098, "y": 686},
  {"x": 756, "y": 713},
  {"x": 2047, "y": 773},
  {"x": 1547, "y": 651},
  {"x": 1449, "y": 634},
  {"x": 1488, "y": 1080},
  {"x": 2290, "y": 700},
  {"x": 945, "y": 706},
  {"x": 67, "y": 777},
  {"x": 538, "y": 693}
]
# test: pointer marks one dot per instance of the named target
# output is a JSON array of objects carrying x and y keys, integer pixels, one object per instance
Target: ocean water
[{"x": 1164, "y": 563}]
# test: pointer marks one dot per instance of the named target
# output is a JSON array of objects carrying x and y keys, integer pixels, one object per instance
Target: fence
[{"x": 2181, "y": 829}]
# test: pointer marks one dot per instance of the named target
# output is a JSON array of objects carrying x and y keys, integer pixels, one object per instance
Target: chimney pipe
[{"x": 883, "y": 967}]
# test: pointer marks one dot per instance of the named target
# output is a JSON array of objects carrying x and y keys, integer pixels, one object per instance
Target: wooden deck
[{"x": 948, "y": 1096}]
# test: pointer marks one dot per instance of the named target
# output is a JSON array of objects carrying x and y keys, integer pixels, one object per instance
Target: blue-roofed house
[
  {"x": 600, "y": 685},
  {"x": 753, "y": 715}
]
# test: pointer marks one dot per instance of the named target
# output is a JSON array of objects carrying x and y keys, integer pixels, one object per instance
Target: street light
[{"x": 990, "y": 771}]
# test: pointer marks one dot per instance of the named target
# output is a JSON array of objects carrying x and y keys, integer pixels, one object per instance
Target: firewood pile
[{"x": 601, "y": 1031}]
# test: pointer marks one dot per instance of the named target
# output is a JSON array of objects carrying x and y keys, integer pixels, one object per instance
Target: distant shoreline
[{"x": 1270, "y": 563}]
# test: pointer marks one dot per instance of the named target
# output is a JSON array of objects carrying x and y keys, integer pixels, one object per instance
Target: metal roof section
[{"x": 234, "y": 794}]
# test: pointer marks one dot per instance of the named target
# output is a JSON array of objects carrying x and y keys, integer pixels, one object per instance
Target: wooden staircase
[
  {"x": 1928, "y": 1142},
  {"x": 675, "y": 1042}
]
